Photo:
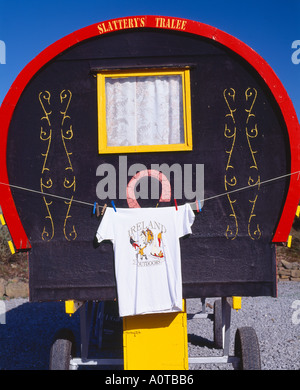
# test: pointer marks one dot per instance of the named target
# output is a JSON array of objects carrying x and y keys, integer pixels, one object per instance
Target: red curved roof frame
[{"x": 176, "y": 24}]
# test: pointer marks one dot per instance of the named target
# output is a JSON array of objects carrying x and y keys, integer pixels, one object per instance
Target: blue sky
[{"x": 269, "y": 27}]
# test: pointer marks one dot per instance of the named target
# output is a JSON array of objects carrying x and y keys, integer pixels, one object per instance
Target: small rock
[
  {"x": 16, "y": 289},
  {"x": 295, "y": 273},
  {"x": 282, "y": 271},
  {"x": 2, "y": 287},
  {"x": 284, "y": 276},
  {"x": 286, "y": 264}
]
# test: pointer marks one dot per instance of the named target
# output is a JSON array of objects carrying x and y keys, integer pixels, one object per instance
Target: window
[{"x": 144, "y": 111}]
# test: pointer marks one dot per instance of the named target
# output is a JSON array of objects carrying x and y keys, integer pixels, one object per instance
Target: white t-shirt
[{"x": 147, "y": 256}]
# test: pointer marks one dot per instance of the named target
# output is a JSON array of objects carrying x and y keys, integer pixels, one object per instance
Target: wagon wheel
[
  {"x": 62, "y": 350},
  {"x": 218, "y": 333},
  {"x": 246, "y": 348}
]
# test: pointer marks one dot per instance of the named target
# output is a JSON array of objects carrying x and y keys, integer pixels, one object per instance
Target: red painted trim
[{"x": 177, "y": 24}]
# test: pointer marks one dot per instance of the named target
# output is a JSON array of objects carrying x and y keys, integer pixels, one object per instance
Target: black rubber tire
[
  {"x": 62, "y": 350},
  {"x": 246, "y": 348},
  {"x": 218, "y": 334}
]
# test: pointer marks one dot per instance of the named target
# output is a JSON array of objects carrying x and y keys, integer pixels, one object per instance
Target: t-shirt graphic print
[
  {"x": 147, "y": 243},
  {"x": 147, "y": 256}
]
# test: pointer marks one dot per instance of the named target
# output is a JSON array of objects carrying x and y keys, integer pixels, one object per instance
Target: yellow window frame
[{"x": 103, "y": 148}]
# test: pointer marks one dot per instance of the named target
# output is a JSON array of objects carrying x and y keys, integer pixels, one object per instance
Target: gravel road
[
  {"x": 275, "y": 320},
  {"x": 25, "y": 338}
]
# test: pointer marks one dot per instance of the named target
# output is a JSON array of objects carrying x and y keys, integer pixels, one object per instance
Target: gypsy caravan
[{"x": 149, "y": 111}]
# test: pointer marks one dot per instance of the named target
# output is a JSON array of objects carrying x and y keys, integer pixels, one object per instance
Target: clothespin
[
  {"x": 113, "y": 205},
  {"x": 103, "y": 209},
  {"x": 97, "y": 211},
  {"x": 175, "y": 201},
  {"x": 94, "y": 209},
  {"x": 198, "y": 204}
]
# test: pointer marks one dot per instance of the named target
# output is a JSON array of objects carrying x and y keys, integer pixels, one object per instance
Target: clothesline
[{"x": 201, "y": 200}]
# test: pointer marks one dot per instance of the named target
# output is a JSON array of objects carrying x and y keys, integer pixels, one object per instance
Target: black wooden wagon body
[{"x": 240, "y": 128}]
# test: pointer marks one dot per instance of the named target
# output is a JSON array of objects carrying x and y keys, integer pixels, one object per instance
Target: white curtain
[{"x": 144, "y": 110}]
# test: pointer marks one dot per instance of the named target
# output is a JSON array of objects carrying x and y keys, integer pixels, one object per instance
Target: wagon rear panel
[{"x": 239, "y": 135}]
